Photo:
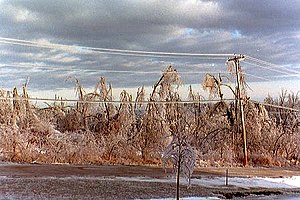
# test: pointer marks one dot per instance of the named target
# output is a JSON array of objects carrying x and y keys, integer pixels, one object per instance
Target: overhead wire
[
  {"x": 141, "y": 102},
  {"x": 271, "y": 64},
  {"x": 78, "y": 48},
  {"x": 281, "y": 112},
  {"x": 272, "y": 67},
  {"x": 276, "y": 106},
  {"x": 259, "y": 77},
  {"x": 47, "y": 67},
  {"x": 115, "y": 101},
  {"x": 116, "y": 51},
  {"x": 138, "y": 53}
]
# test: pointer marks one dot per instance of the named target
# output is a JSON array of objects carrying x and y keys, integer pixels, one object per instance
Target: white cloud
[
  {"x": 24, "y": 15},
  {"x": 17, "y": 14}
]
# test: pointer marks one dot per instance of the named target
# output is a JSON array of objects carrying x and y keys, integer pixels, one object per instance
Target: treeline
[{"x": 136, "y": 131}]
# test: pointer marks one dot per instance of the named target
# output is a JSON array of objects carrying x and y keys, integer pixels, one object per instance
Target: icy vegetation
[{"x": 95, "y": 129}]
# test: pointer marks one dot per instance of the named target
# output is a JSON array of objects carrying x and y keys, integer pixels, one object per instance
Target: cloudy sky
[{"x": 266, "y": 30}]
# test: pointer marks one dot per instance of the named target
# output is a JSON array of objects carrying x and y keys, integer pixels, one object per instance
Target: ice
[
  {"x": 3, "y": 177},
  {"x": 246, "y": 182},
  {"x": 293, "y": 182},
  {"x": 242, "y": 182},
  {"x": 251, "y": 182},
  {"x": 288, "y": 182},
  {"x": 191, "y": 198}
]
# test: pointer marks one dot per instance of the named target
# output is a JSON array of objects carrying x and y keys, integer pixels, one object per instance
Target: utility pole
[{"x": 236, "y": 61}]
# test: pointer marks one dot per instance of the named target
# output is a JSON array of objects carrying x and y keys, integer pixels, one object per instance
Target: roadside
[{"x": 34, "y": 181}]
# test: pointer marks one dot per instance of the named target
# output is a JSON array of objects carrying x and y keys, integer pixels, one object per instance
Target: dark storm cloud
[
  {"x": 269, "y": 30},
  {"x": 140, "y": 23},
  {"x": 263, "y": 17}
]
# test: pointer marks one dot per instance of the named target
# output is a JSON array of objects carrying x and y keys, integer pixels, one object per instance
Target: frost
[{"x": 181, "y": 155}]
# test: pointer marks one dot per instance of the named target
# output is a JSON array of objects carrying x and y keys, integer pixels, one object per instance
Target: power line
[
  {"x": 137, "y": 53},
  {"x": 271, "y": 65},
  {"x": 259, "y": 77},
  {"x": 140, "y": 102},
  {"x": 271, "y": 69},
  {"x": 78, "y": 48},
  {"x": 114, "y": 102},
  {"x": 47, "y": 67},
  {"x": 280, "y": 112},
  {"x": 276, "y": 106},
  {"x": 161, "y": 72}
]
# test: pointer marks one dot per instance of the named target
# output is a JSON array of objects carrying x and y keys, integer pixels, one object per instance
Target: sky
[{"x": 265, "y": 30}]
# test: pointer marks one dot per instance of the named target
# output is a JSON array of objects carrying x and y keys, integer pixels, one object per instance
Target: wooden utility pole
[{"x": 236, "y": 60}]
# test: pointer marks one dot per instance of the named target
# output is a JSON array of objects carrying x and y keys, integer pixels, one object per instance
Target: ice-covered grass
[
  {"x": 288, "y": 182},
  {"x": 292, "y": 182},
  {"x": 251, "y": 182},
  {"x": 242, "y": 182},
  {"x": 191, "y": 198}
]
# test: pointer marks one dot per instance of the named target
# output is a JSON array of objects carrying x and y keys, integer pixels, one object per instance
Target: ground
[{"x": 36, "y": 181}]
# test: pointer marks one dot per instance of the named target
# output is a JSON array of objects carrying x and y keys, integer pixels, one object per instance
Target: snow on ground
[
  {"x": 251, "y": 182},
  {"x": 191, "y": 198},
  {"x": 293, "y": 182},
  {"x": 288, "y": 182}
]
